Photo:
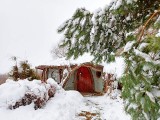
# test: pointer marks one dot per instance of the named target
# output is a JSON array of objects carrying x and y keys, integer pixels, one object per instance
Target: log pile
[{"x": 38, "y": 101}]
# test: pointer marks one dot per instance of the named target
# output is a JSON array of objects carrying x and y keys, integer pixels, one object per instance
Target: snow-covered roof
[
  {"x": 63, "y": 61},
  {"x": 116, "y": 67}
]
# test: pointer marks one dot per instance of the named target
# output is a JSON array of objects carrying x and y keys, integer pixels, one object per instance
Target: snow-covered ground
[
  {"x": 61, "y": 107},
  {"x": 65, "y": 105},
  {"x": 106, "y": 107}
]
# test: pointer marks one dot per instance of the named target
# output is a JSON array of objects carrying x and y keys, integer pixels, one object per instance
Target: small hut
[{"x": 80, "y": 74}]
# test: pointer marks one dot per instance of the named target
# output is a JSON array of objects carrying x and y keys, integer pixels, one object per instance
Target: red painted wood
[{"x": 84, "y": 80}]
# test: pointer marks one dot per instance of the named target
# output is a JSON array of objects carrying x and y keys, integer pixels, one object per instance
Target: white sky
[{"x": 28, "y": 28}]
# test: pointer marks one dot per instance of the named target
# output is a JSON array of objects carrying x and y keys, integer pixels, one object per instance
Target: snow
[
  {"x": 116, "y": 68},
  {"x": 134, "y": 106},
  {"x": 146, "y": 57},
  {"x": 156, "y": 92},
  {"x": 128, "y": 18},
  {"x": 150, "y": 95},
  {"x": 128, "y": 46},
  {"x": 97, "y": 11},
  {"x": 158, "y": 20},
  {"x": 158, "y": 34},
  {"x": 107, "y": 107},
  {"x": 129, "y": 1},
  {"x": 13, "y": 91},
  {"x": 65, "y": 105},
  {"x": 86, "y": 13},
  {"x": 61, "y": 107},
  {"x": 117, "y": 4},
  {"x": 142, "y": 45},
  {"x": 86, "y": 57}
]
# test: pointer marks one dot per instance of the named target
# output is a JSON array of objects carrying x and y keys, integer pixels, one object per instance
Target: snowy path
[
  {"x": 101, "y": 108},
  {"x": 90, "y": 110}
]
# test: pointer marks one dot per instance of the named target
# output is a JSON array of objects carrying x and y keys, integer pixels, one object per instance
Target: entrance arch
[{"x": 84, "y": 80}]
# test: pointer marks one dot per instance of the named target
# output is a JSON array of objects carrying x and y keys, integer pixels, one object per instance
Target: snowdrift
[{"x": 63, "y": 106}]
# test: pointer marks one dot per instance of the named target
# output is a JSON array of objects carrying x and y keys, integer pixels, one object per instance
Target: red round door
[{"x": 84, "y": 80}]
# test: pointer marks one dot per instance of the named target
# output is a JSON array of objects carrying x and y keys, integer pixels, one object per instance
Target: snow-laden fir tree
[
  {"x": 141, "y": 80},
  {"x": 129, "y": 28}
]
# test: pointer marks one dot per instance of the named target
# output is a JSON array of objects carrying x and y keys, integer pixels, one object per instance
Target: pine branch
[{"x": 145, "y": 25}]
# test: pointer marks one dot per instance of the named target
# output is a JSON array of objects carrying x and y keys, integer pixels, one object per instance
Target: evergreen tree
[
  {"x": 23, "y": 71},
  {"x": 103, "y": 32},
  {"x": 14, "y": 73},
  {"x": 141, "y": 81},
  {"x": 128, "y": 28}
]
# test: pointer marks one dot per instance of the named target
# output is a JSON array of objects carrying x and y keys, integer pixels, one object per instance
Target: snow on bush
[
  {"x": 128, "y": 46},
  {"x": 63, "y": 106},
  {"x": 24, "y": 92}
]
